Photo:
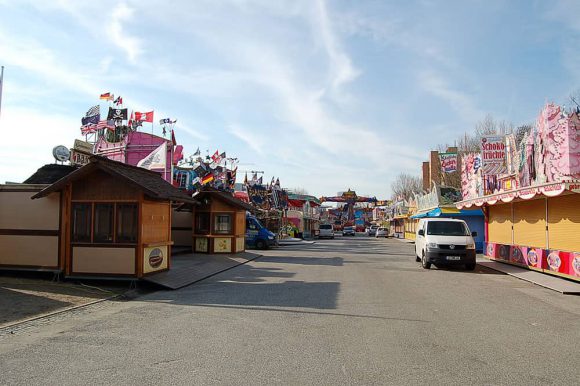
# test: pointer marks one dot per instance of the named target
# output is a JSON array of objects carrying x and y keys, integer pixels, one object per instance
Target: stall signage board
[
  {"x": 493, "y": 155},
  {"x": 79, "y": 157},
  {"x": 448, "y": 162}
]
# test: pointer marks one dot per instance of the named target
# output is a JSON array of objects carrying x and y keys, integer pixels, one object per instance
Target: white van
[
  {"x": 326, "y": 230},
  {"x": 444, "y": 241}
]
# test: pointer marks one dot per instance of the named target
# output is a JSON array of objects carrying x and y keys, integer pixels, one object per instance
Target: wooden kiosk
[
  {"x": 219, "y": 222},
  {"x": 115, "y": 220}
]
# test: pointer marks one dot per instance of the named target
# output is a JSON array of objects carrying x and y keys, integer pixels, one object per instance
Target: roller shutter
[
  {"x": 500, "y": 224},
  {"x": 564, "y": 222},
  {"x": 530, "y": 223}
]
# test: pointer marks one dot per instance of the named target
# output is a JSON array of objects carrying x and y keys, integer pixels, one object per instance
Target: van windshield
[
  {"x": 325, "y": 226},
  {"x": 447, "y": 228}
]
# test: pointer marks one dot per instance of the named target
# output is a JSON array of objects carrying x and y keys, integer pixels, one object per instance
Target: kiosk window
[
  {"x": 126, "y": 223},
  {"x": 223, "y": 223},
  {"x": 202, "y": 223},
  {"x": 81, "y": 223},
  {"x": 103, "y": 227}
]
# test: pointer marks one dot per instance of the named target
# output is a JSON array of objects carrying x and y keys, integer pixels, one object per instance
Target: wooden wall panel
[
  {"x": 155, "y": 226},
  {"x": 103, "y": 260},
  {"x": 101, "y": 186},
  {"x": 240, "y": 223},
  {"x": 219, "y": 206},
  {"x": 564, "y": 222},
  {"x": 530, "y": 223},
  {"x": 18, "y": 211},
  {"x": 500, "y": 224},
  {"x": 33, "y": 251}
]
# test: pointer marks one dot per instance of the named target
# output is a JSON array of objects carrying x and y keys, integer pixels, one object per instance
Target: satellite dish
[{"x": 61, "y": 153}]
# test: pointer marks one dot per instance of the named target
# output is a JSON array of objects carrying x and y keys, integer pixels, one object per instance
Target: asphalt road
[{"x": 344, "y": 311}]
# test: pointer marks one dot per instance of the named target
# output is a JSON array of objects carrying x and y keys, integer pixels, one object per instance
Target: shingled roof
[
  {"x": 224, "y": 196},
  {"x": 148, "y": 181},
  {"x": 49, "y": 174}
]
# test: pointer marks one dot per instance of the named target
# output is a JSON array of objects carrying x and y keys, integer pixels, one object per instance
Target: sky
[{"x": 325, "y": 95}]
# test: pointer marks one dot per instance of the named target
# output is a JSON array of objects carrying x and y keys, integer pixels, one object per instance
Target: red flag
[
  {"x": 216, "y": 157},
  {"x": 173, "y": 138},
  {"x": 144, "y": 117}
]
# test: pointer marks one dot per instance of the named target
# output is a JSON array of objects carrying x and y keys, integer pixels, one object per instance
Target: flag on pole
[
  {"x": 144, "y": 117},
  {"x": 88, "y": 128},
  {"x": 216, "y": 157},
  {"x": 207, "y": 179},
  {"x": 166, "y": 120},
  {"x": 118, "y": 101},
  {"x": 92, "y": 116},
  {"x": 117, "y": 114},
  {"x": 93, "y": 120},
  {"x": 104, "y": 124},
  {"x": 157, "y": 159},
  {"x": 107, "y": 96}
]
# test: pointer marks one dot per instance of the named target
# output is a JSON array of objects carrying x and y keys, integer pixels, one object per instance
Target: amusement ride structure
[{"x": 349, "y": 198}]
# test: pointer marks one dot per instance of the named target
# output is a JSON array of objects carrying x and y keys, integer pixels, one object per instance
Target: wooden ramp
[
  {"x": 189, "y": 268},
  {"x": 542, "y": 279}
]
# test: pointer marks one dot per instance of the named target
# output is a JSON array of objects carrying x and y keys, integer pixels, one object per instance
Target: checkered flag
[{"x": 93, "y": 111}]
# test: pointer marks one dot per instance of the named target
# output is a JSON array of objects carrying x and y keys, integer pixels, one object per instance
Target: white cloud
[
  {"x": 341, "y": 67},
  {"x": 132, "y": 46},
  {"x": 460, "y": 101},
  {"x": 254, "y": 141}
]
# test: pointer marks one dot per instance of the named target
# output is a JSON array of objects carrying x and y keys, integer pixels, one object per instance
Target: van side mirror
[
  {"x": 421, "y": 232},
  {"x": 473, "y": 234}
]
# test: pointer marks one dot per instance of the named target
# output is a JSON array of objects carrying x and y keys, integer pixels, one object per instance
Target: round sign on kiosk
[{"x": 61, "y": 153}]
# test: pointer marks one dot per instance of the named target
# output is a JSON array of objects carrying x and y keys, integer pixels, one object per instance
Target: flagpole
[
  {"x": 1, "y": 86},
  {"x": 171, "y": 158}
]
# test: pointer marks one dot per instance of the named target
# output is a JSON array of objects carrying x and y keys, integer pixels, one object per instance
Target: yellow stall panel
[
  {"x": 530, "y": 223},
  {"x": 564, "y": 222},
  {"x": 500, "y": 224}
]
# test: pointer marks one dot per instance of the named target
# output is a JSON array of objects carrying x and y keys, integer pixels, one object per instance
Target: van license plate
[{"x": 453, "y": 257}]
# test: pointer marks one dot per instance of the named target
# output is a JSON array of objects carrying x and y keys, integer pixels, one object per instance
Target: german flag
[
  {"x": 107, "y": 96},
  {"x": 207, "y": 179}
]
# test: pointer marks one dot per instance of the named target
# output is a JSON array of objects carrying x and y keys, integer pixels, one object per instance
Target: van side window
[{"x": 251, "y": 225}]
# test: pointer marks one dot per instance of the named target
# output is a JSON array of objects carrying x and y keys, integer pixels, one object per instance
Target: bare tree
[
  {"x": 299, "y": 191},
  {"x": 405, "y": 185}
]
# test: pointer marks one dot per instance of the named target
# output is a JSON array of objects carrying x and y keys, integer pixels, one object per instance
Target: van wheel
[
  {"x": 260, "y": 244},
  {"x": 424, "y": 263},
  {"x": 470, "y": 266}
]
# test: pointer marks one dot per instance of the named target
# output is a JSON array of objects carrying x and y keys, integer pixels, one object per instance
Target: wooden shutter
[
  {"x": 530, "y": 223},
  {"x": 564, "y": 222},
  {"x": 500, "y": 224}
]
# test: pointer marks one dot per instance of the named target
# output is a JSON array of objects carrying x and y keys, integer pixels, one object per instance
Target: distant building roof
[
  {"x": 148, "y": 181},
  {"x": 49, "y": 174}
]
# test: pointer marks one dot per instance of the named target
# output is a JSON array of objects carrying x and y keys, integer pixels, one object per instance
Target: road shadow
[
  {"x": 300, "y": 294},
  {"x": 302, "y": 260}
]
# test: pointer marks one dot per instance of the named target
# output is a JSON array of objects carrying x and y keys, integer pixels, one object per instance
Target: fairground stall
[
  {"x": 529, "y": 189},
  {"x": 114, "y": 220},
  {"x": 219, "y": 222}
]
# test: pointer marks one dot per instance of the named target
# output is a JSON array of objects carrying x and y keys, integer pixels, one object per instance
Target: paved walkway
[{"x": 190, "y": 268}]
